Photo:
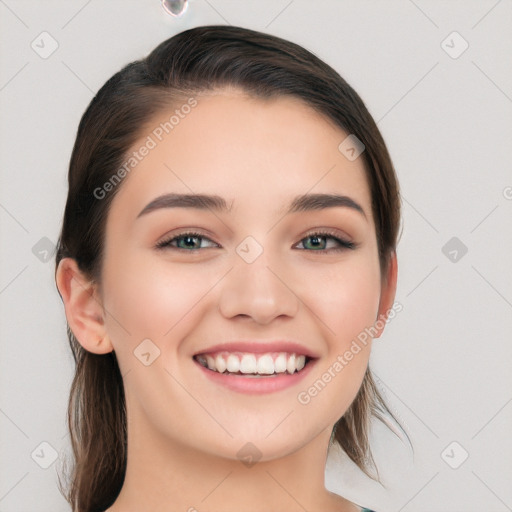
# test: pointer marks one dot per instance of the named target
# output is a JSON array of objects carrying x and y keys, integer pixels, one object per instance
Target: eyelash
[{"x": 344, "y": 244}]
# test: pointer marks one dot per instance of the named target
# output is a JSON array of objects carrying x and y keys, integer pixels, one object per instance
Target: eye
[
  {"x": 318, "y": 246},
  {"x": 188, "y": 238}
]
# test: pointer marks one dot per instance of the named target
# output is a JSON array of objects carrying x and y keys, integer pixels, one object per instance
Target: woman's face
[{"x": 254, "y": 274}]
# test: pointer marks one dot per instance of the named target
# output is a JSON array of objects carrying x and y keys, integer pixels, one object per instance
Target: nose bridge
[{"x": 254, "y": 287}]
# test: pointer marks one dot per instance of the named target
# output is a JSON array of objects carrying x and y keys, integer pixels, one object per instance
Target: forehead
[{"x": 254, "y": 152}]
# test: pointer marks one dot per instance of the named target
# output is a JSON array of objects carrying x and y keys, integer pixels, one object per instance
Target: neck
[{"x": 162, "y": 476}]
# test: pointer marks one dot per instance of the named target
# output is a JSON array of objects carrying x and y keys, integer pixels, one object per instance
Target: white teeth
[
  {"x": 220, "y": 364},
  {"x": 233, "y": 363},
  {"x": 253, "y": 364},
  {"x": 265, "y": 365},
  {"x": 280, "y": 363},
  {"x": 248, "y": 364},
  {"x": 211, "y": 362},
  {"x": 290, "y": 364}
]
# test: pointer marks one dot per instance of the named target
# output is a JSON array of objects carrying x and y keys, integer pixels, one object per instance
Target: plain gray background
[{"x": 443, "y": 363}]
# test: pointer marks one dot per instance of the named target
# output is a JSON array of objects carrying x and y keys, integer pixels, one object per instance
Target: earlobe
[
  {"x": 84, "y": 311},
  {"x": 388, "y": 292}
]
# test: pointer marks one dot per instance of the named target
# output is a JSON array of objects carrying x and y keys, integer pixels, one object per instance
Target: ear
[
  {"x": 387, "y": 295},
  {"x": 84, "y": 311}
]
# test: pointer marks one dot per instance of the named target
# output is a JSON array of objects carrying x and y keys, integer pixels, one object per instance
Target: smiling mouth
[{"x": 246, "y": 364}]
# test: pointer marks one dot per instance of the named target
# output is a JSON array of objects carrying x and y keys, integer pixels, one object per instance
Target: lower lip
[{"x": 257, "y": 385}]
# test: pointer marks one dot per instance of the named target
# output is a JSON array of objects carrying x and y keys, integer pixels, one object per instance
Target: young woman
[{"x": 227, "y": 255}]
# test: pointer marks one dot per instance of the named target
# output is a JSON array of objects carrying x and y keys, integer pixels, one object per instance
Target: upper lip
[{"x": 260, "y": 347}]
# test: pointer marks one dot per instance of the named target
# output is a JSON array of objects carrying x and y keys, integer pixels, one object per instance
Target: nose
[{"x": 258, "y": 290}]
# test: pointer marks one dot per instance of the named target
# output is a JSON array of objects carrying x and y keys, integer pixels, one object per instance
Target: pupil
[
  {"x": 187, "y": 240},
  {"x": 316, "y": 240}
]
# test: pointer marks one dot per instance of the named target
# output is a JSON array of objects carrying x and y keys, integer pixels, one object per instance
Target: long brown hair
[{"x": 199, "y": 59}]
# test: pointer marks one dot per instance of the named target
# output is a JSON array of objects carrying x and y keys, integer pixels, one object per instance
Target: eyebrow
[{"x": 302, "y": 203}]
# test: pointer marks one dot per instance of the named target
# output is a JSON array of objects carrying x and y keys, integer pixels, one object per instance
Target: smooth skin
[{"x": 184, "y": 432}]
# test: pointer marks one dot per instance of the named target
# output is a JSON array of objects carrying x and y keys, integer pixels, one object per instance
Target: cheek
[
  {"x": 149, "y": 298},
  {"x": 335, "y": 383},
  {"x": 345, "y": 298}
]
